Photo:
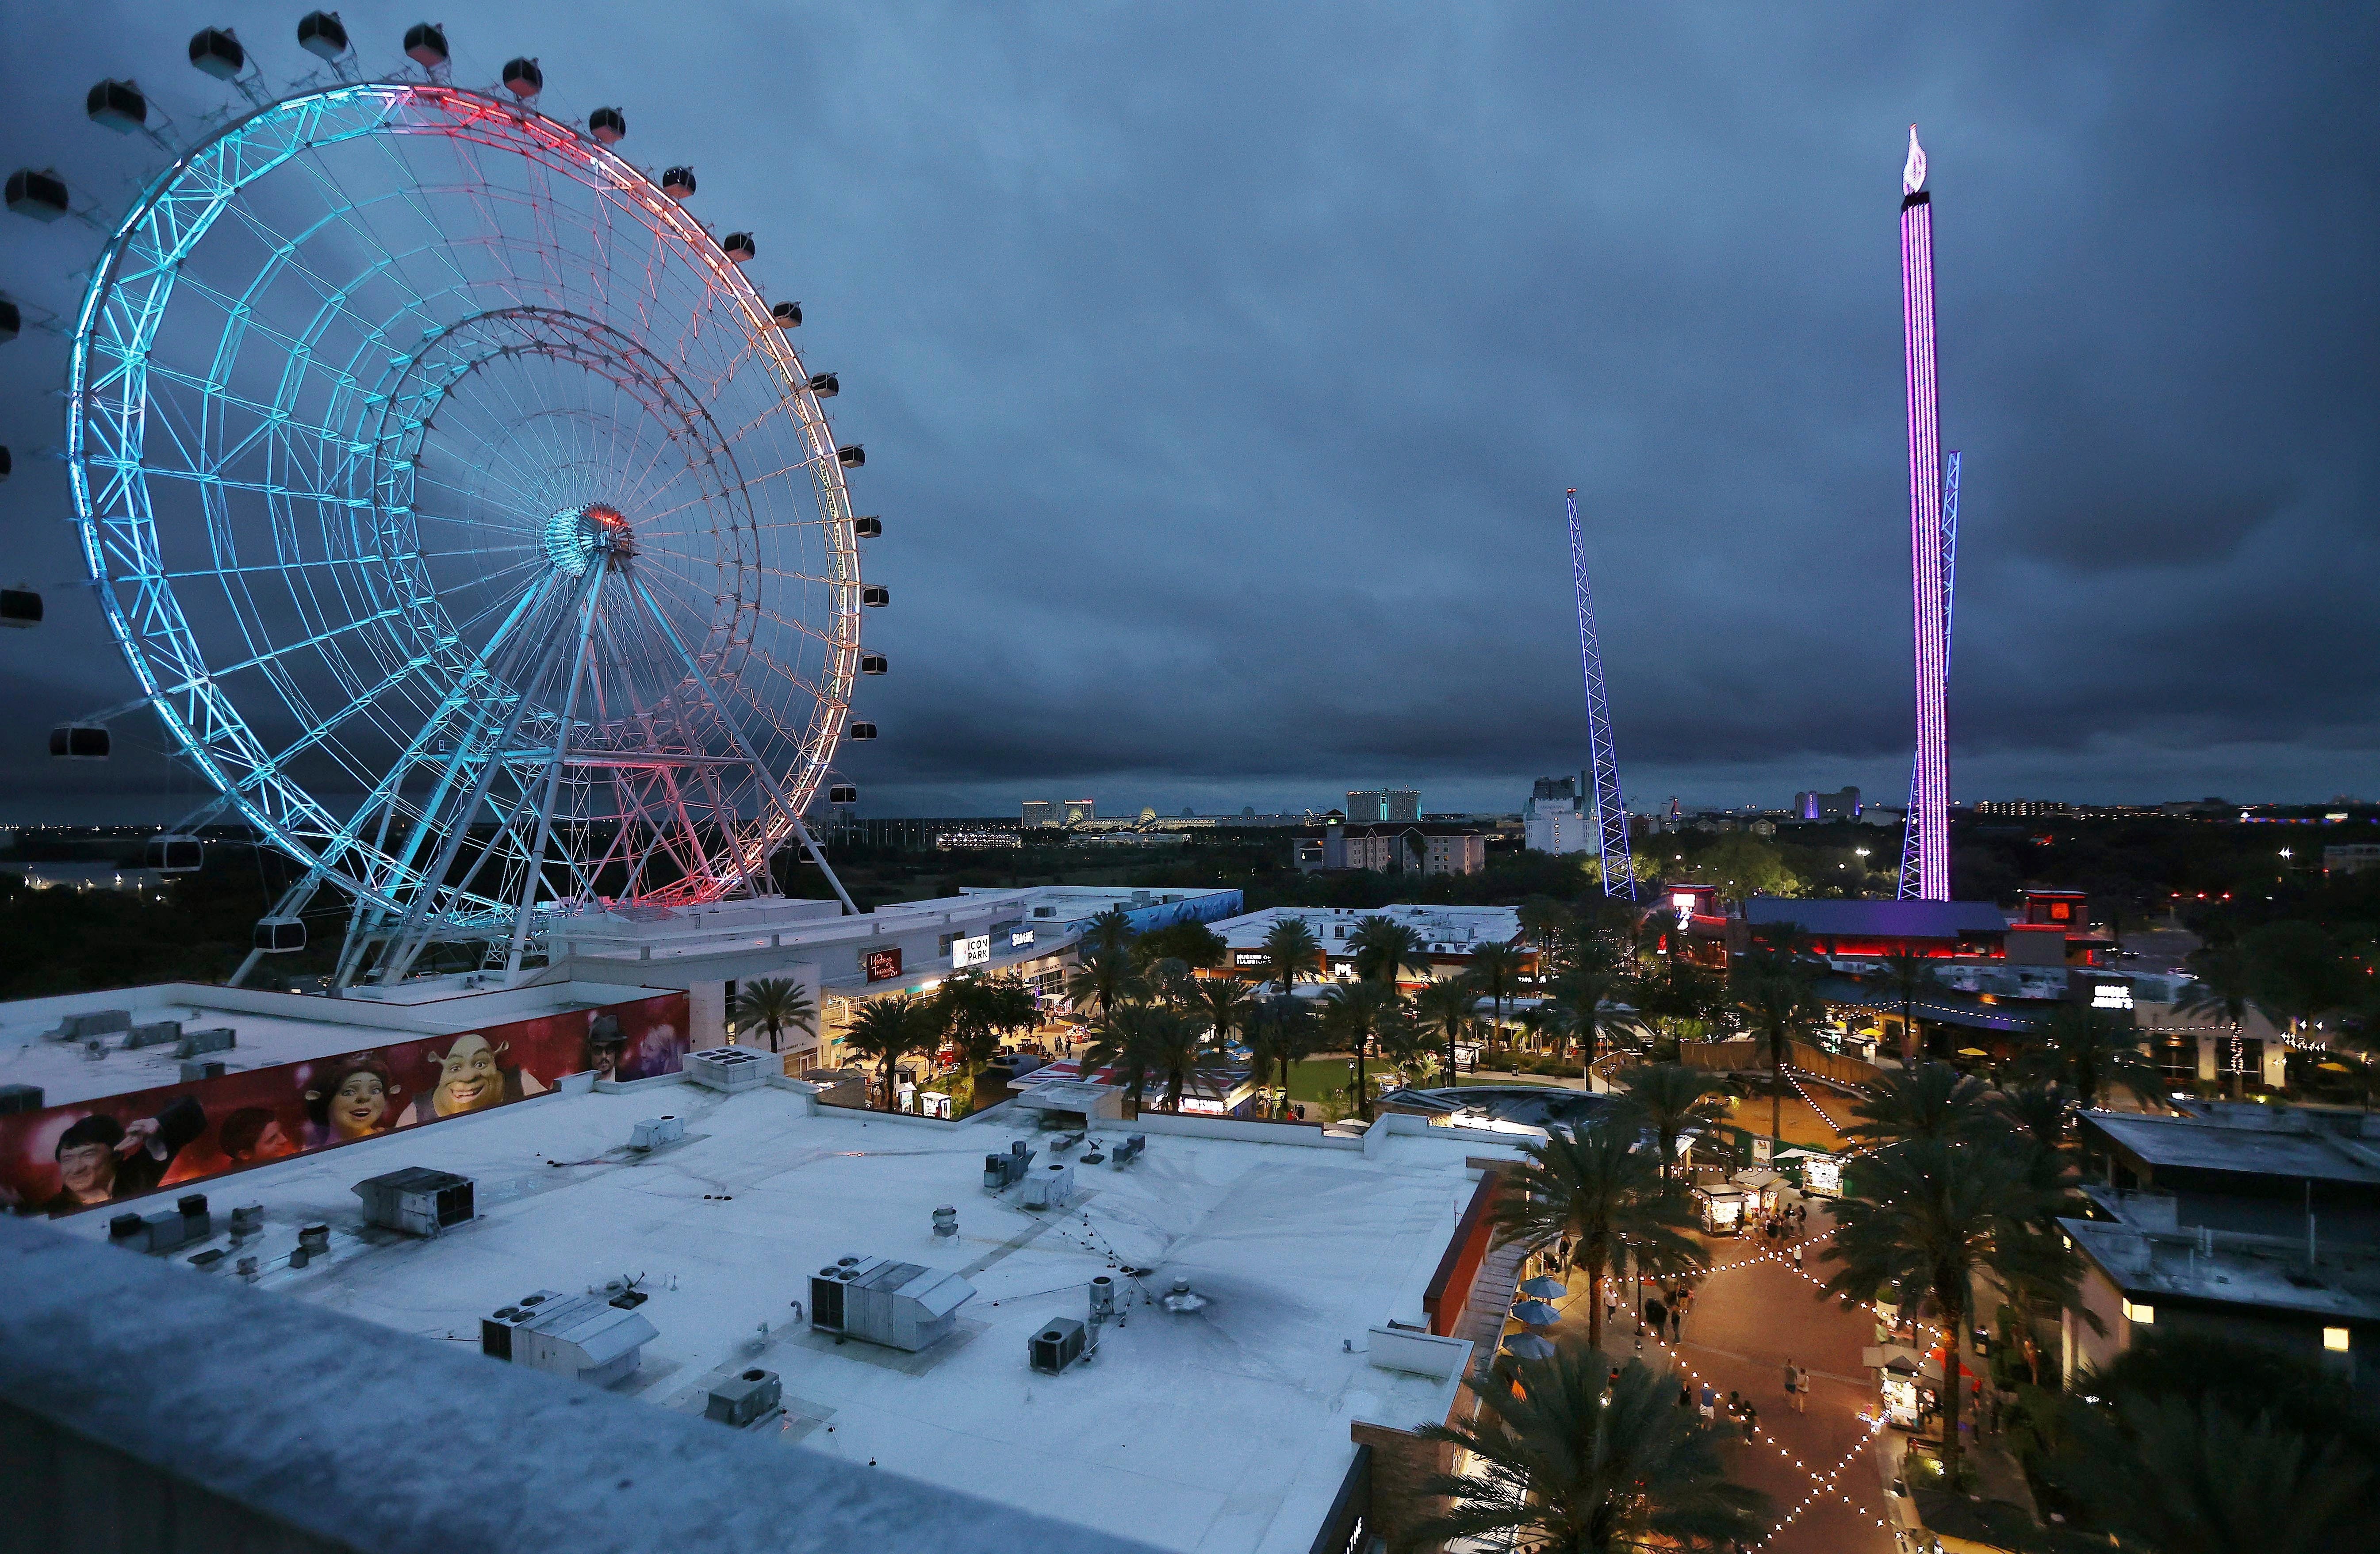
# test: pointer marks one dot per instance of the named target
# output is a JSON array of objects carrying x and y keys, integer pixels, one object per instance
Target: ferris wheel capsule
[
  {"x": 826, "y": 385},
  {"x": 116, "y": 105},
  {"x": 851, "y": 455},
  {"x": 787, "y": 314},
  {"x": 20, "y": 607},
  {"x": 523, "y": 79},
  {"x": 843, "y": 792},
  {"x": 6, "y": 464},
  {"x": 218, "y": 52},
  {"x": 39, "y": 194},
  {"x": 876, "y": 596},
  {"x": 678, "y": 183},
  {"x": 608, "y": 124},
  {"x": 863, "y": 731},
  {"x": 869, "y": 528},
  {"x": 11, "y": 321},
  {"x": 80, "y": 742},
  {"x": 322, "y": 34},
  {"x": 425, "y": 44},
  {"x": 739, "y": 246},
  {"x": 873, "y": 663}
]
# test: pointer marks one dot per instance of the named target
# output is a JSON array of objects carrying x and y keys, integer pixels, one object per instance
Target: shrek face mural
[
  {"x": 468, "y": 1079},
  {"x": 360, "y": 1106}
]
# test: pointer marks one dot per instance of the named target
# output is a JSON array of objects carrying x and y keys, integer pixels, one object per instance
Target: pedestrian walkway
[{"x": 1751, "y": 1313}]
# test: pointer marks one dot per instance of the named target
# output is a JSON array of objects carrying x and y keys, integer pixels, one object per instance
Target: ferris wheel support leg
[
  {"x": 536, "y": 869},
  {"x": 760, "y": 769},
  {"x": 412, "y": 935}
]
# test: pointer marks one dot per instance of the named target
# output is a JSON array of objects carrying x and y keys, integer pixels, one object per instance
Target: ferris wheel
[{"x": 462, "y": 509}]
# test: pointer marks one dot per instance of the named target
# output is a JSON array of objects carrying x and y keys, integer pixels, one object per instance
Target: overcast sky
[{"x": 1222, "y": 370}]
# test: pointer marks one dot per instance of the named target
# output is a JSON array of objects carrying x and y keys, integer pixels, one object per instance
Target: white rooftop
[
  {"x": 1219, "y": 1431},
  {"x": 1455, "y": 928},
  {"x": 269, "y": 1028}
]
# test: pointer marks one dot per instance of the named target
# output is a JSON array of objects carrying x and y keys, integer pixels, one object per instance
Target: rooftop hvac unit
[
  {"x": 902, "y": 1305},
  {"x": 1133, "y": 1145},
  {"x": 744, "y": 1398},
  {"x": 1050, "y": 1187},
  {"x": 731, "y": 1068},
  {"x": 1056, "y": 1344},
  {"x": 417, "y": 1200},
  {"x": 1002, "y": 1171},
  {"x": 654, "y": 1132},
  {"x": 196, "y": 1043},
  {"x": 586, "y": 1338}
]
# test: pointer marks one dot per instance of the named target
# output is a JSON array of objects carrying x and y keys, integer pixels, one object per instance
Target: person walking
[
  {"x": 1797, "y": 1256},
  {"x": 1750, "y": 1420},
  {"x": 1611, "y": 1304},
  {"x": 1657, "y": 1315},
  {"x": 1677, "y": 1324},
  {"x": 1708, "y": 1407},
  {"x": 1797, "y": 1386}
]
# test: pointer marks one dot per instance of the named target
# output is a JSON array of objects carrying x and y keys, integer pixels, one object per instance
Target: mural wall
[{"x": 88, "y": 1154}]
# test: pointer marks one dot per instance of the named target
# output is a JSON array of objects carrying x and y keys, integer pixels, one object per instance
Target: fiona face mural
[{"x": 86, "y": 1154}]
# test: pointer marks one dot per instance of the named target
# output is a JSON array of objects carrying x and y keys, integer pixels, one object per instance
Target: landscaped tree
[
  {"x": 1567, "y": 1461},
  {"x": 1282, "y": 1035},
  {"x": 1226, "y": 1005},
  {"x": 1927, "y": 1218},
  {"x": 775, "y": 1005},
  {"x": 1495, "y": 970},
  {"x": 1192, "y": 943},
  {"x": 1451, "y": 1009},
  {"x": 1352, "y": 1014},
  {"x": 1908, "y": 978},
  {"x": 1552, "y": 929},
  {"x": 1111, "y": 932},
  {"x": 1403, "y": 1045},
  {"x": 1595, "y": 1187},
  {"x": 1009, "y": 1006},
  {"x": 1385, "y": 949},
  {"x": 1173, "y": 1044},
  {"x": 1292, "y": 954},
  {"x": 2092, "y": 1050},
  {"x": 964, "y": 1010},
  {"x": 1932, "y": 1102},
  {"x": 1106, "y": 979},
  {"x": 1589, "y": 997},
  {"x": 2178, "y": 1475},
  {"x": 884, "y": 1031},
  {"x": 2041, "y": 1113},
  {"x": 1134, "y": 1041},
  {"x": 1670, "y": 1101},
  {"x": 1777, "y": 1001}
]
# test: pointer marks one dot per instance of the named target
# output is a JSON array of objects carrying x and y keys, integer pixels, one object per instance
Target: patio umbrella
[
  {"x": 1544, "y": 1288},
  {"x": 1528, "y": 1346},
  {"x": 1536, "y": 1314},
  {"x": 1972, "y": 1053}
]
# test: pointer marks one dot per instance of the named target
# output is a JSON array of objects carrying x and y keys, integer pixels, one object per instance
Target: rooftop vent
[
  {"x": 1180, "y": 1300},
  {"x": 417, "y": 1200},
  {"x": 654, "y": 1132}
]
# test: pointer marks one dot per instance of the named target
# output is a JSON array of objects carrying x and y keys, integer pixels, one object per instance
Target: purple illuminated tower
[{"x": 1929, "y": 814}]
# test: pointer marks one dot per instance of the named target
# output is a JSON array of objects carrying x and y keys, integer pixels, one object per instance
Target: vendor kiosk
[{"x": 1722, "y": 1207}]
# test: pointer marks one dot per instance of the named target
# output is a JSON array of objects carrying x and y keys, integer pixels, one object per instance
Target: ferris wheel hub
[{"x": 576, "y": 536}]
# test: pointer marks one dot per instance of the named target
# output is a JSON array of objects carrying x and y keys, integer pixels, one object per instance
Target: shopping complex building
[{"x": 692, "y": 1308}]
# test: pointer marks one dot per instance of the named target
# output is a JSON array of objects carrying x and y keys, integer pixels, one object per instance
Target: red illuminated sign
[{"x": 881, "y": 966}]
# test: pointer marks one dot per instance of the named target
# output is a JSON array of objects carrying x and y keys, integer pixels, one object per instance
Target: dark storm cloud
[{"x": 1222, "y": 370}]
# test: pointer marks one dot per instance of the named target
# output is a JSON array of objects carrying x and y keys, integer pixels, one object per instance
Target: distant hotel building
[
  {"x": 1044, "y": 812},
  {"x": 1384, "y": 803},
  {"x": 2023, "y": 809},
  {"x": 1843, "y": 805},
  {"x": 1555, "y": 818}
]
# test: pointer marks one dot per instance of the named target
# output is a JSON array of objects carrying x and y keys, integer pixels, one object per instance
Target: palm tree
[
  {"x": 2178, "y": 1475},
  {"x": 1291, "y": 952},
  {"x": 884, "y": 1031},
  {"x": 1352, "y": 1013},
  {"x": 1111, "y": 932},
  {"x": 1495, "y": 970},
  {"x": 1385, "y": 948},
  {"x": 1588, "y": 997},
  {"x": 1451, "y": 1009},
  {"x": 1932, "y": 1102},
  {"x": 1106, "y": 978},
  {"x": 2091, "y": 1050},
  {"x": 1907, "y": 977},
  {"x": 2223, "y": 989},
  {"x": 1225, "y": 1004},
  {"x": 1568, "y": 1461},
  {"x": 1129, "y": 1041},
  {"x": 1596, "y": 1189},
  {"x": 1170, "y": 1043},
  {"x": 1403, "y": 1045},
  {"x": 1777, "y": 1001},
  {"x": 775, "y": 1005},
  {"x": 1552, "y": 929},
  {"x": 1282, "y": 1035},
  {"x": 1929, "y": 1215},
  {"x": 2038, "y": 1112},
  {"x": 1671, "y": 1100}
]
